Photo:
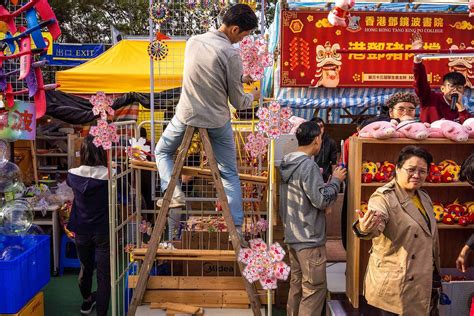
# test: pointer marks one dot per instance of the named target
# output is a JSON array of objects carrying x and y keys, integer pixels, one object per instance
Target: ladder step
[
  {"x": 197, "y": 172},
  {"x": 187, "y": 254}
]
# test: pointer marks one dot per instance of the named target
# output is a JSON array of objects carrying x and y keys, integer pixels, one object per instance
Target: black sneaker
[{"x": 88, "y": 306}]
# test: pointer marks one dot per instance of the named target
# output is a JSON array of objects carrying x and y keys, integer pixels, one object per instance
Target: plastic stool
[{"x": 64, "y": 261}]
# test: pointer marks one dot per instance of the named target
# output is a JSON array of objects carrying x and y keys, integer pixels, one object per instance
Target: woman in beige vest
[{"x": 402, "y": 276}]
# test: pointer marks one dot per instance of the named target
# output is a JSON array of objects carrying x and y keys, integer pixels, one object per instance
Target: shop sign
[
  {"x": 19, "y": 122},
  {"x": 309, "y": 46}
]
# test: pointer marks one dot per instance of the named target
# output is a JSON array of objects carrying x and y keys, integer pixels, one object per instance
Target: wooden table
[{"x": 39, "y": 219}]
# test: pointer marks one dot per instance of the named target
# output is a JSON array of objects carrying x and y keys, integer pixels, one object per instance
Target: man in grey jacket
[
  {"x": 303, "y": 199},
  {"x": 212, "y": 77}
]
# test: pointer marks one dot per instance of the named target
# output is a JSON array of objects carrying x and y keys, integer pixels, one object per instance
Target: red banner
[{"x": 309, "y": 43}]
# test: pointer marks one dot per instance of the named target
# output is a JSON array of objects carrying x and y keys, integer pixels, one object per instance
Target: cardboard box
[
  {"x": 211, "y": 268},
  {"x": 35, "y": 307},
  {"x": 206, "y": 240}
]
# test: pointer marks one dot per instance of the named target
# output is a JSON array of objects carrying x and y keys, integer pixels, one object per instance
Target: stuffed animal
[
  {"x": 448, "y": 218},
  {"x": 447, "y": 162},
  {"x": 449, "y": 171},
  {"x": 469, "y": 125},
  {"x": 434, "y": 175},
  {"x": 364, "y": 207},
  {"x": 471, "y": 8},
  {"x": 469, "y": 207},
  {"x": 449, "y": 129},
  {"x": 369, "y": 169},
  {"x": 456, "y": 210},
  {"x": 296, "y": 121},
  {"x": 413, "y": 130},
  {"x": 379, "y": 129},
  {"x": 381, "y": 176},
  {"x": 466, "y": 220},
  {"x": 387, "y": 168},
  {"x": 340, "y": 13},
  {"x": 438, "y": 211}
]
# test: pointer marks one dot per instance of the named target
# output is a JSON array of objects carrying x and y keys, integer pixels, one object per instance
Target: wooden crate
[
  {"x": 452, "y": 237},
  {"x": 35, "y": 307},
  {"x": 222, "y": 292}
]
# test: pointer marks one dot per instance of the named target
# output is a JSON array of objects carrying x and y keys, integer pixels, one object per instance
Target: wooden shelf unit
[
  {"x": 452, "y": 237},
  {"x": 73, "y": 143}
]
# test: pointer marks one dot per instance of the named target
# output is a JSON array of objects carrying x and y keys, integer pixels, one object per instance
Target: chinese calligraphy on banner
[
  {"x": 19, "y": 122},
  {"x": 309, "y": 44}
]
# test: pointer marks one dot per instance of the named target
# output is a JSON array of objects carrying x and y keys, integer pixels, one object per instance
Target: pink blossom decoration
[
  {"x": 263, "y": 264},
  {"x": 274, "y": 120},
  {"x": 104, "y": 134},
  {"x": 255, "y": 56},
  {"x": 101, "y": 105},
  {"x": 259, "y": 227},
  {"x": 262, "y": 225},
  {"x": 256, "y": 145}
]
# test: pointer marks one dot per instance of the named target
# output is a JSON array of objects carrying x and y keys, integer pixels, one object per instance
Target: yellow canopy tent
[{"x": 125, "y": 68}]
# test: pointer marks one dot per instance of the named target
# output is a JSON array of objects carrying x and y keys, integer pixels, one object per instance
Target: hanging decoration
[
  {"x": 255, "y": 56},
  {"x": 159, "y": 13},
  {"x": 158, "y": 50},
  {"x": 104, "y": 134},
  {"x": 264, "y": 265},
  {"x": 138, "y": 150},
  {"x": 257, "y": 145},
  {"x": 274, "y": 120},
  {"x": 101, "y": 105}
]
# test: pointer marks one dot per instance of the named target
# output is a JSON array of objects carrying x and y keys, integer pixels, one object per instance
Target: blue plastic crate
[{"x": 25, "y": 275}]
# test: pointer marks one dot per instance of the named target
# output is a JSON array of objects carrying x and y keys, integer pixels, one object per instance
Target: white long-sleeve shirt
[{"x": 211, "y": 79}]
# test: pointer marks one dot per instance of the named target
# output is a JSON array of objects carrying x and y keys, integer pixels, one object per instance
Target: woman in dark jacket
[
  {"x": 90, "y": 222},
  {"x": 327, "y": 156},
  {"x": 466, "y": 174}
]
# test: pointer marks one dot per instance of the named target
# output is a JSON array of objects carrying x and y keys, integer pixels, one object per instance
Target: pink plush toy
[
  {"x": 449, "y": 129},
  {"x": 296, "y": 121},
  {"x": 380, "y": 130},
  {"x": 340, "y": 13},
  {"x": 471, "y": 8},
  {"x": 469, "y": 126},
  {"x": 413, "y": 129}
]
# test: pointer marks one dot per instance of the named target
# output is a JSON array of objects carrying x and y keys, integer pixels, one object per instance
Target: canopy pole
[{"x": 152, "y": 90}]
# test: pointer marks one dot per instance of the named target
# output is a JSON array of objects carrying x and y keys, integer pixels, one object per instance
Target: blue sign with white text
[{"x": 73, "y": 54}]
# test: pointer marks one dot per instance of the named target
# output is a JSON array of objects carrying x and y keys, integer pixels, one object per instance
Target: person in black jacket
[
  {"x": 466, "y": 174},
  {"x": 327, "y": 157},
  {"x": 90, "y": 222}
]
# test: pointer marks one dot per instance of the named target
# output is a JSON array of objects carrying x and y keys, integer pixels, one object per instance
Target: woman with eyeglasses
[
  {"x": 401, "y": 106},
  {"x": 402, "y": 276}
]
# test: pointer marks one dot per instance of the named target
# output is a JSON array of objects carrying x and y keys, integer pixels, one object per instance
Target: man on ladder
[{"x": 212, "y": 77}]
